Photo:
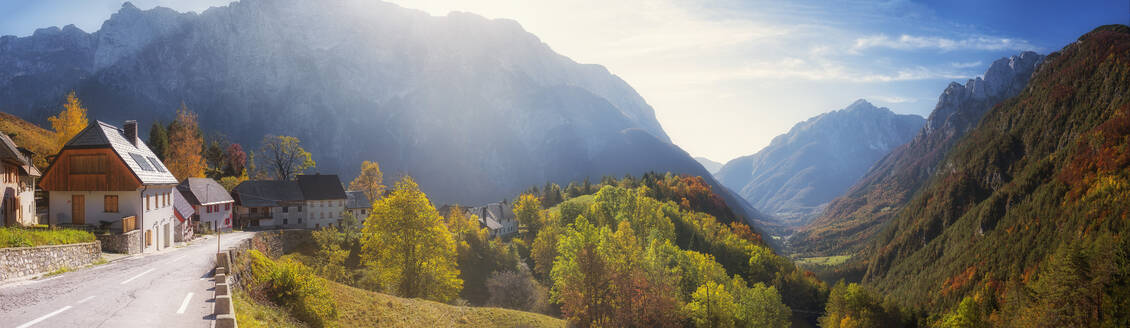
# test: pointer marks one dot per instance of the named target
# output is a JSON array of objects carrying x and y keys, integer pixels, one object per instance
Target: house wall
[
  {"x": 59, "y": 207},
  {"x": 159, "y": 220},
  {"x": 17, "y": 196},
  {"x": 215, "y": 218},
  {"x": 321, "y": 213},
  {"x": 28, "y": 216},
  {"x": 359, "y": 213}
]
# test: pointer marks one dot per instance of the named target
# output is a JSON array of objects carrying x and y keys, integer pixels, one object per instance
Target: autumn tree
[
  {"x": 69, "y": 122},
  {"x": 236, "y": 160},
  {"x": 527, "y": 210},
  {"x": 407, "y": 244},
  {"x": 284, "y": 157},
  {"x": 158, "y": 139},
  {"x": 712, "y": 306},
  {"x": 370, "y": 181},
  {"x": 183, "y": 157}
]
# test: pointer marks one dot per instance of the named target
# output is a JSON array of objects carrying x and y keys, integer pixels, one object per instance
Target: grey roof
[
  {"x": 10, "y": 152},
  {"x": 321, "y": 187},
  {"x": 101, "y": 134},
  {"x": 357, "y": 199},
  {"x": 181, "y": 205},
  {"x": 492, "y": 215},
  {"x": 267, "y": 193},
  {"x": 203, "y": 191}
]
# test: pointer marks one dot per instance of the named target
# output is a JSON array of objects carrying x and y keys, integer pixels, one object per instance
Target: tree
[
  {"x": 371, "y": 180},
  {"x": 284, "y": 157},
  {"x": 214, "y": 157},
  {"x": 236, "y": 160},
  {"x": 69, "y": 122},
  {"x": 406, "y": 243},
  {"x": 712, "y": 306},
  {"x": 158, "y": 139},
  {"x": 516, "y": 289},
  {"x": 183, "y": 157},
  {"x": 759, "y": 306},
  {"x": 582, "y": 277},
  {"x": 527, "y": 210}
]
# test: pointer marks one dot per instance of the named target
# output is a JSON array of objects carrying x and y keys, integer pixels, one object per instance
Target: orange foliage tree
[
  {"x": 183, "y": 156},
  {"x": 69, "y": 122}
]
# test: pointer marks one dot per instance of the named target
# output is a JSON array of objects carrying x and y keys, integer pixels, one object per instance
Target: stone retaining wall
[
  {"x": 26, "y": 261},
  {"x": 126, "y": 243}
]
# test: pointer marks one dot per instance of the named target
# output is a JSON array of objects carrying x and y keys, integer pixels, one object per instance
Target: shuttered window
[{"x": 111, "y": 203}]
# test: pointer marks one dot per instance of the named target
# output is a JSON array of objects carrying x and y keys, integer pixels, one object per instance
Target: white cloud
[
  {"x": 910, "y": 42},
  {"x": 966, "y": 65}
]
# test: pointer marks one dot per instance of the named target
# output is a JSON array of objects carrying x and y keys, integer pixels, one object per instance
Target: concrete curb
[{"x": 224, "y": 308}]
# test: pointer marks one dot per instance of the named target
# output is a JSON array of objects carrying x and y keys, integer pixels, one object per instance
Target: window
[
  {"x": 148, "y": 238},
  {"x": 147, "y": 202},
  {"x": 141, "y": 162},
  {"x": 284, "y": 221},
  {"x": 299, "y": 208},
  {"x": 157, "y": 164},
  {"x": 88, "y": 164},
  {"x": 111, "y": 202},
  {"x": 227, "y": 206},
  {"x": 285, "y": 209}
]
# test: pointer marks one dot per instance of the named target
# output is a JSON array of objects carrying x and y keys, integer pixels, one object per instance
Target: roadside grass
[
  {"x": 58, "y": 271},
  {"x": 19, "y": 237},
  {"x": 252, "y": 314},
  {"x": 99, "y": 261},
  {"x": 823, "y": 260},
  {"x": 362, "y": 308}
]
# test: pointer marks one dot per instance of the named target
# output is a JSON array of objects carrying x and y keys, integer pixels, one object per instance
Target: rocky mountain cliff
[
  {"x": 708, "y": 164},
  {"x": 475, "y": 109},
  {"x": 854, "y": 218},
  {"x": 793, "y": 178}
]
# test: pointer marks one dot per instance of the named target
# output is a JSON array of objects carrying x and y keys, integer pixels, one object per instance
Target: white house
[
  {"x": 18, "y": 183},
  {"x": 107, "y": 177},
  {"x": 358, "y": 204},
  {"x": 497, "y": 217},
  {"x": 210, "y": 201},
  {"x": 311, "y": 202},
  {"x": 185, "y": 228}
]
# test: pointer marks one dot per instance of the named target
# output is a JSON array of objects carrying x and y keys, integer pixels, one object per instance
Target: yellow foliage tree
[
  {"x": 69, "y": 122},
  {"x": 407, "y": 243},
  {"x": 185, "y": 144},
  {"x": 371, "y": 180}
]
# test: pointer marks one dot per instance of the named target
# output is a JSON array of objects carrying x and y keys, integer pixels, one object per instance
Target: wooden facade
[{"x": 96, "y": 169}]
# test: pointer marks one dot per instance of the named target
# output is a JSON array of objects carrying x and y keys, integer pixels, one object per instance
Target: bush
[
  {"x": 19, "y": 237},
  {"x": 294, "y": 286}
]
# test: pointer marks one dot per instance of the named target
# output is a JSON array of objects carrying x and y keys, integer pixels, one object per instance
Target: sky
[{"x": 726, "y": 76}]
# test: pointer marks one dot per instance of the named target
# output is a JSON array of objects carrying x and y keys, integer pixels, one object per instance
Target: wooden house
[
  {"x": 17, "y": 208},
  {"x": 108, "y": 178}
]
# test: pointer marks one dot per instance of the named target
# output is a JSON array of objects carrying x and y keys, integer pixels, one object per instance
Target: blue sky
[{"x": 726, "y": 76}]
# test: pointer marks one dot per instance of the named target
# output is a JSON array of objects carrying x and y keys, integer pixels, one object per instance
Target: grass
[
  {"x": 58, "y": 271},
  {"x": 361, "y": 308},
  {"x": 585, "y": 200},
  {"x": 824, "y": 260},
  {"x": 99, "y": 261},
  {"x": 251, "y": 314},
  {"x": 18, "y": 237}
]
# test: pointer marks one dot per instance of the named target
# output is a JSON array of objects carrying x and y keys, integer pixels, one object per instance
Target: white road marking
[
  {"x": 135, "y": 277},
  {"x": 178, "y": 259},
  {"x": 52, "y": 314},
  {"x": 85, "y": 299},
  {"x": 184, "y": 305}
]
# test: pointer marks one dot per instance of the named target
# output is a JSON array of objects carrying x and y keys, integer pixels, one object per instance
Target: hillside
[
  {"x": 30, "y": 136},
  {"x": 793, "y": 178},
  {"x": 1026, "y": 221},
  {"x": 710, "y": 165},
  {"x": 476, "y": 108},
  {"x": 856, "y": 217}
]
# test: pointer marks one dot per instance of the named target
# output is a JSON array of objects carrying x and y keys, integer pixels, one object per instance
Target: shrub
[{"x": 294, "y": 286}]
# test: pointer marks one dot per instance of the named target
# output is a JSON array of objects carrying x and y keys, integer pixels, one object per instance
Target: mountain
[
  {"x": 854, "y": 218},
  {"x": 799, "y": 172},
  {"x": 475, "y": 109},
  {"x": 708, "y": 164},
  {"x": 1025, "y": 220}
]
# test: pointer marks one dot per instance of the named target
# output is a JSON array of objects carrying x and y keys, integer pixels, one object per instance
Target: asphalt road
[{"x": 172, "y": 288}]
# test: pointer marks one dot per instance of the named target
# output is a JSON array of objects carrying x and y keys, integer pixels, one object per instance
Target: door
[{"x": 78, "y": 209}]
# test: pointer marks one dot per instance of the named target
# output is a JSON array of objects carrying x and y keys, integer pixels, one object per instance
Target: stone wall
[
  {"x": 126, "y": 243},
  {"x": 26, "y": 261}
]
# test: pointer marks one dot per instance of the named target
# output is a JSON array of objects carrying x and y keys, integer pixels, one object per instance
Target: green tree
[
  {"x": 284, "y": 157},
  {"x": 528, "y": 212},
  {"x": 405, "y": 241},
  {"x": 582, "y": 277},
  {"x": 158, "y": 139},
  {"x": 759, "y": 306},
  {"x": 712, "y": 306}
]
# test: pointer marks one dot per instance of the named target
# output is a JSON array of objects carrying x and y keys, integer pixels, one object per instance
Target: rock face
[
  {"x": 854, "y": 218},
  {"x": 475, "y": 109},
  {"x": 793, "y": 178}
]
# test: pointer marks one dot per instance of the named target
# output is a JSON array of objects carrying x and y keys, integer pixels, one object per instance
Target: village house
[
  {"x": 185, "y": 229},
  {"x": 108, "y": 178},
  {"x": 497, "y": 217},
  {"x": 358, "y": 204},
  {"x": 211, "y": 203},
  {"x": 18, "y": 183},
  {"x": 311, "y": 202}
]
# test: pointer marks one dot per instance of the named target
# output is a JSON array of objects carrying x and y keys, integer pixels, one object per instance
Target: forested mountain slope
[{"x": 1025, "y": 224}]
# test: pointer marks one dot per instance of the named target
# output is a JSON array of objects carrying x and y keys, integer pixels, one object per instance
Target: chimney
[{"x": 131, "y": 132}]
